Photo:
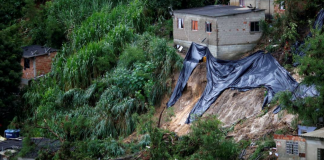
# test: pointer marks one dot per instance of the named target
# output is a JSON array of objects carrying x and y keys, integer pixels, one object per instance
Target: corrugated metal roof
[
  {"x": 315, "y": 134},
  {"x": 217, "y": 10},
  {"x": 36, "y": 50}
]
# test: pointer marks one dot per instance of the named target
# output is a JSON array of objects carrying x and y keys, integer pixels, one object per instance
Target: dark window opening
[
  {"x": 255, "y": 26},
  {"x": 26, "y": 63},
  {"x": 195, "y": 25},
  {"x": 180, "y": 23},
  {"x": 208, "y": 27},
  {"x": 292, "y": 147}
]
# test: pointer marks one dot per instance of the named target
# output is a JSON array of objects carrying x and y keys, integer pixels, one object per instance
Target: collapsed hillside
[{"x": 241, "y": 110}]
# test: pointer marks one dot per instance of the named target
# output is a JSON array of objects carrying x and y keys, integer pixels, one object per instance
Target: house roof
[
  {"x": 36, "y": 50},
  {"x": 217, "y": 10},
  {"x": 315, "y": 134},
  {"x": 305, "y": 128}
]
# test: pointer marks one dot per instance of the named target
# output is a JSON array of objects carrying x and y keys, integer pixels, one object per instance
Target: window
[
  {"x": 242, "y": 3},
  {"x": 26, "y": 63},
  {"x": 255, "y": 26},
  {"x": 180, "y": 23},
  {"x": 282, "y": 5},
  {"x": 208, "y": 27},
  {"x": 320, "y": 153},
  {"x": 194, "y": 25},
  {"x": 292, "y": 147}
]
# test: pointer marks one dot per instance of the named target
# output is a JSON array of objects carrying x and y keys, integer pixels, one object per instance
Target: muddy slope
[{"x": 242, "y": 109}]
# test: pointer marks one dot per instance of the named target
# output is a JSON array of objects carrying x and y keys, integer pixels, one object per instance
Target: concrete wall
[
  {"x": 39, "y": 65},
  {"x": 261, "y": 4},
  {"x": 312, "y": 144},
  {"x": 234, "y": 35},
  {"x": 230, "y": 35},
  {"x": 281, "y": 147}
]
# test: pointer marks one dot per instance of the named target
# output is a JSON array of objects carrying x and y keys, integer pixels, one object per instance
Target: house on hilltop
[
  {"x": 228, "y": 31},
  {"x": 36, "y": 61},
  {"x": 270, "y": 7}
]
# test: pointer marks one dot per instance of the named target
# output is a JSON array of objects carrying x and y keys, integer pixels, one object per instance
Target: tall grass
[{"x": 108, "y": 72}]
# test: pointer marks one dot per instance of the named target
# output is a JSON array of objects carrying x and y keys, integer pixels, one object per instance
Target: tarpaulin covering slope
[{"x": 257, "y": 70}]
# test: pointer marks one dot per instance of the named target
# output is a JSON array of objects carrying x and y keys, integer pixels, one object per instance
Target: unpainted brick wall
[
  {"x": 278, "y": 10},
  {"x": 44, "y": 63},
  {"x": 28, "y": 73}
]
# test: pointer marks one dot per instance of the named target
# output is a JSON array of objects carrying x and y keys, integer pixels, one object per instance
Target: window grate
[{"x": 292, "y": 147}]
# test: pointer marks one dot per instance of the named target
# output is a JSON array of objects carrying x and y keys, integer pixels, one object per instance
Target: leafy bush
[
  {"x": 131, "y": 55},
  {"x": 206, "y": 141}
]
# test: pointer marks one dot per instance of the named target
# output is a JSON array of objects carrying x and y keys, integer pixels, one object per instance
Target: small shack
[
  {"x": 228, "y": 31},
  {"x": 290, "y": 147},
  {"x": 36, "y": 61},
  {"x": 314, "y": 144}
]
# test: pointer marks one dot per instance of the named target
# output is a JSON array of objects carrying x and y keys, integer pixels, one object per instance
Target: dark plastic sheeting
[
  {"x": 255, "y": 71},
  {"x": 298, "y": 47}
]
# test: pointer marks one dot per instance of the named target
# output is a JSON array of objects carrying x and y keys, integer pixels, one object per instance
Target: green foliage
[
  {"x": 28, "y": 146},
  {"x": 311, "y": 108},
  {"x": 206, "y": 141},
  {"x": 10, "y": 73},
  {"x": 290, "y": 33},
  {"x": 261, "y": 145},
  {"x": 9, "y": 11},
  {"x": 297, "y": 10},
  {"x": 52, "y": 23}
]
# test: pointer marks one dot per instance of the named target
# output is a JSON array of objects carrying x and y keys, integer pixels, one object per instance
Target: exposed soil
[{"x": 242, "y": 109}]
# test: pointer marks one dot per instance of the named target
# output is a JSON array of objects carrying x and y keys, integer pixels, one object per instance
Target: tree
[
  {"x": 309, "y": 109},
  {"x": 10, "y": 69}
]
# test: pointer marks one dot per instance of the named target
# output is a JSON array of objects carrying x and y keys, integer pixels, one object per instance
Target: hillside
[{"x": 115, "y": 70}]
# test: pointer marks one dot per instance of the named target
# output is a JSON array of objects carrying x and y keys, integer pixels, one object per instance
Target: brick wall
[
  {"x": 289, "y": 137},
  {"x": 278, "y": 10},
  {"x": 281, "y": 141},
  {"x": 28, "y": 73},
  {"x": 43, "y": 65}
]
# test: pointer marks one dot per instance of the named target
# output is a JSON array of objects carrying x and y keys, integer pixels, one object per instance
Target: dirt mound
[{"x": 242, "y": 109}]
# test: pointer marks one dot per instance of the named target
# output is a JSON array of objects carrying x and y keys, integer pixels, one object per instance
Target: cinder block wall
[
  {"x": 235, "y": 29},
  {"x": 187, "y": 34},
  {"x": 260, "y": 4}
]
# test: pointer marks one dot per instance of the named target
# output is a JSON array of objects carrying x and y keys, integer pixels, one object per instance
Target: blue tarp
[{"x": 255, "y": 71}]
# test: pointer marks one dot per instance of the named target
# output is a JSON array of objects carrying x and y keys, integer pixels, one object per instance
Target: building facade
[
  {"x": 36, "y": 61},
  {"x": 228, "y": 31},
  {"x": 290, "y": 147},
  {"x": 314, "y": 144},
  {"x": 270, "y": 7}
]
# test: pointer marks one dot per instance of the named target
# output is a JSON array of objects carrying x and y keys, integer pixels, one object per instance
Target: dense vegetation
[
  {"x": 114, "y": 65},
  {"x": 292, "y": 23},
  {"x": 111, "y": 68}
]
